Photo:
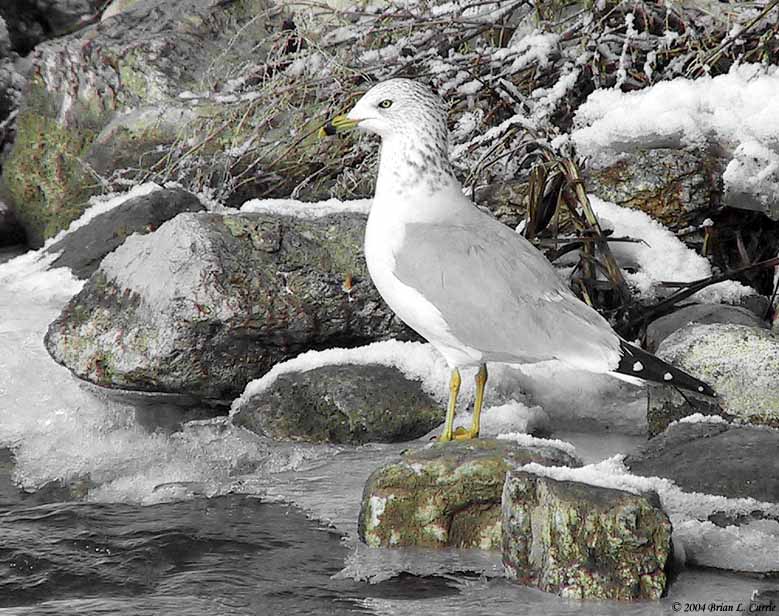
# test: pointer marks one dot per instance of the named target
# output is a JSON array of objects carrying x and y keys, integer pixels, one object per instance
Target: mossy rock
[
  {"x": 342, "y": 404},
  {"x": 583, "y": 541},
  {"x": 445, "y": 494},
  {"x": 740, "y": 362},
  {"x": 208, "y": 302}
]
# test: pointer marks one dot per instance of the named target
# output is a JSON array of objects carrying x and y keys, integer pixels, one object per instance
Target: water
[{"x": 108, "y": 509}]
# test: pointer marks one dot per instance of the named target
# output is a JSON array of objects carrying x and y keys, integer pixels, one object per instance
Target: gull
[{"x": 475, "y": 289}]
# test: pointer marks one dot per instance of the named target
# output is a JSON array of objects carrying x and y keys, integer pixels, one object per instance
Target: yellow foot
[{"x": 461, "y": 434}]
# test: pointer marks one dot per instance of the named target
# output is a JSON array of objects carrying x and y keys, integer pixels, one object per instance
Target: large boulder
[
  {"x": 208, "y": 302},
  {"x": 345, "y": 403},
  {"x": 740, "y": 362},
  {"x": 584, "y": 541},
  {"x": 446, "y": 494},
  {"x": 83, "y": 249}
]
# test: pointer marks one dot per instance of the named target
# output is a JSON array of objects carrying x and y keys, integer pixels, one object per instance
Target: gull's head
[{"x": 396, "y": 107}]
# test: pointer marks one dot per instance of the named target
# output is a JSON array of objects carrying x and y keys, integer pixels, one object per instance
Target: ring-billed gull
[{"x": 478, "y": 291}]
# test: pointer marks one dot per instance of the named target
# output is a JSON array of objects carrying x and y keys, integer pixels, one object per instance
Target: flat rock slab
[
  {"x": 446, "y": 494},
  {"x": 714, "y": 458},
  {"x": 83, "y": 249},
  {"x": 342, "y": 404},
  {"x": 740, "y": 362},
  {"x": 583, "y": 541}
]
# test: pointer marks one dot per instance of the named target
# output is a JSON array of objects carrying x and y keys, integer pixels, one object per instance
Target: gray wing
[{"x": 499, "y": 294}]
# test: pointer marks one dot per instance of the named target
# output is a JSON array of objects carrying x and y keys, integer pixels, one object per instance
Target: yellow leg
[
  {"x": 454, "y": 389},
  {"x": 481, "y": 381}
]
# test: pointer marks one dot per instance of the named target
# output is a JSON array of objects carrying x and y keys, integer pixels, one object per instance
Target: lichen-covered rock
[
  {"x": 659, "y": 329},
  {"x": 82, "y": 249},
  {"x": 584, "y": 541},
  {"x": 740, "y": 362},
  {"x": 446, "y": 494},
  {"x": 714, "y": 458},
  {"x": 672, "y": 185},
  {"x": 209, "y": 302},
  {"x": 341, "y": 404}
]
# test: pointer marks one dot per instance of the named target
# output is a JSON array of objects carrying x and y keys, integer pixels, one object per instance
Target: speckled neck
[{"x": 412, "y": 163}]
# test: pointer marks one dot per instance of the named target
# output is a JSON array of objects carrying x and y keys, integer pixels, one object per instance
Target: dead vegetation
[{"x": 514, "y": 73}]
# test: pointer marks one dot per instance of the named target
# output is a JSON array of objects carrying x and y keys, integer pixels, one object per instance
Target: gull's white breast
[{"x": 384, "y": 235}]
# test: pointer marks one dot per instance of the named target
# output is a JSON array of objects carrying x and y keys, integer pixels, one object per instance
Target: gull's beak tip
[{"x": 339, "y": 124}]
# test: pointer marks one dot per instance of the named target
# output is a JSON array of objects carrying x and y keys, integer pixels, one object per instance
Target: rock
[
  {"x": 84, "y": 248},
  {"x": 675, "y": 186},
  {"x": 740, "y": 362},
  {"x": 584, "y": 541},
  {"x": 446, "y": 494},
  {"x": 659, "y": 329},
  {"x": 33, "y": 21},
  {"x": 209, "y": 302},
  {"x": 714, "y": 458},
  {"x": 11, "y": 232},
  {"x": 506, "y": 200},
  {"x": 342, "y": 404},
  {"x": 150, "y": 94}
]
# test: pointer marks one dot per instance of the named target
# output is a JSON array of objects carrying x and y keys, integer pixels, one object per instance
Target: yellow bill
[{"x": 339, "y": 124}]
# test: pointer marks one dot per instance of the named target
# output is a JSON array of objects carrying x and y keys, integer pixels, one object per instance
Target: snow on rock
[
  {"x": 414, "y": 359},
  {"x": 700, "y": 418},
  {"x": 659, "y": 255},
  {"x": 29, "y": 273},
  {"x": 754, "y": 170},
  {"x": 102, "y": 204},
  {"x": 735, "y": 111},
  {"x": 730, "y": 109},
  {"x": 527, "y": 398},
  {"x": 532, "y": 441},
  {"x": 292, "y": 207}
]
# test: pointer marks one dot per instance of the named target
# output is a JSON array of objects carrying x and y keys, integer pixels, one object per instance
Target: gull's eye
[{"x": 385, "y": 104}]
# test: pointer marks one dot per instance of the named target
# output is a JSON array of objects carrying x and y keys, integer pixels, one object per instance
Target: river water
[{"x": 106, "y": 511}]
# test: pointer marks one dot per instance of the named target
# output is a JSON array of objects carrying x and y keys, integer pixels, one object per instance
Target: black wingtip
[{"x": 639, "y": 363}]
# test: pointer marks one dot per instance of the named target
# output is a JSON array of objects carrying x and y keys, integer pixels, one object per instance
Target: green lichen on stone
[
  {"x": 740, "y": 362},
  {"x": 446, "y": 494},
  {"x": 584, "y": 541},
  {"x": 45, "y": 174}
]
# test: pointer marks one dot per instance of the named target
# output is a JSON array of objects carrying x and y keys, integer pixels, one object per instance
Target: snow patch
[
  {"x": 730, "y": 109},
  {"x": 513, "y": 417},
  {"x": 700, "y": 418},
  {"x": 533, "y": 441},
  {"x": 303, "y": 209},
  {"x": 659, "y": 255}
]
